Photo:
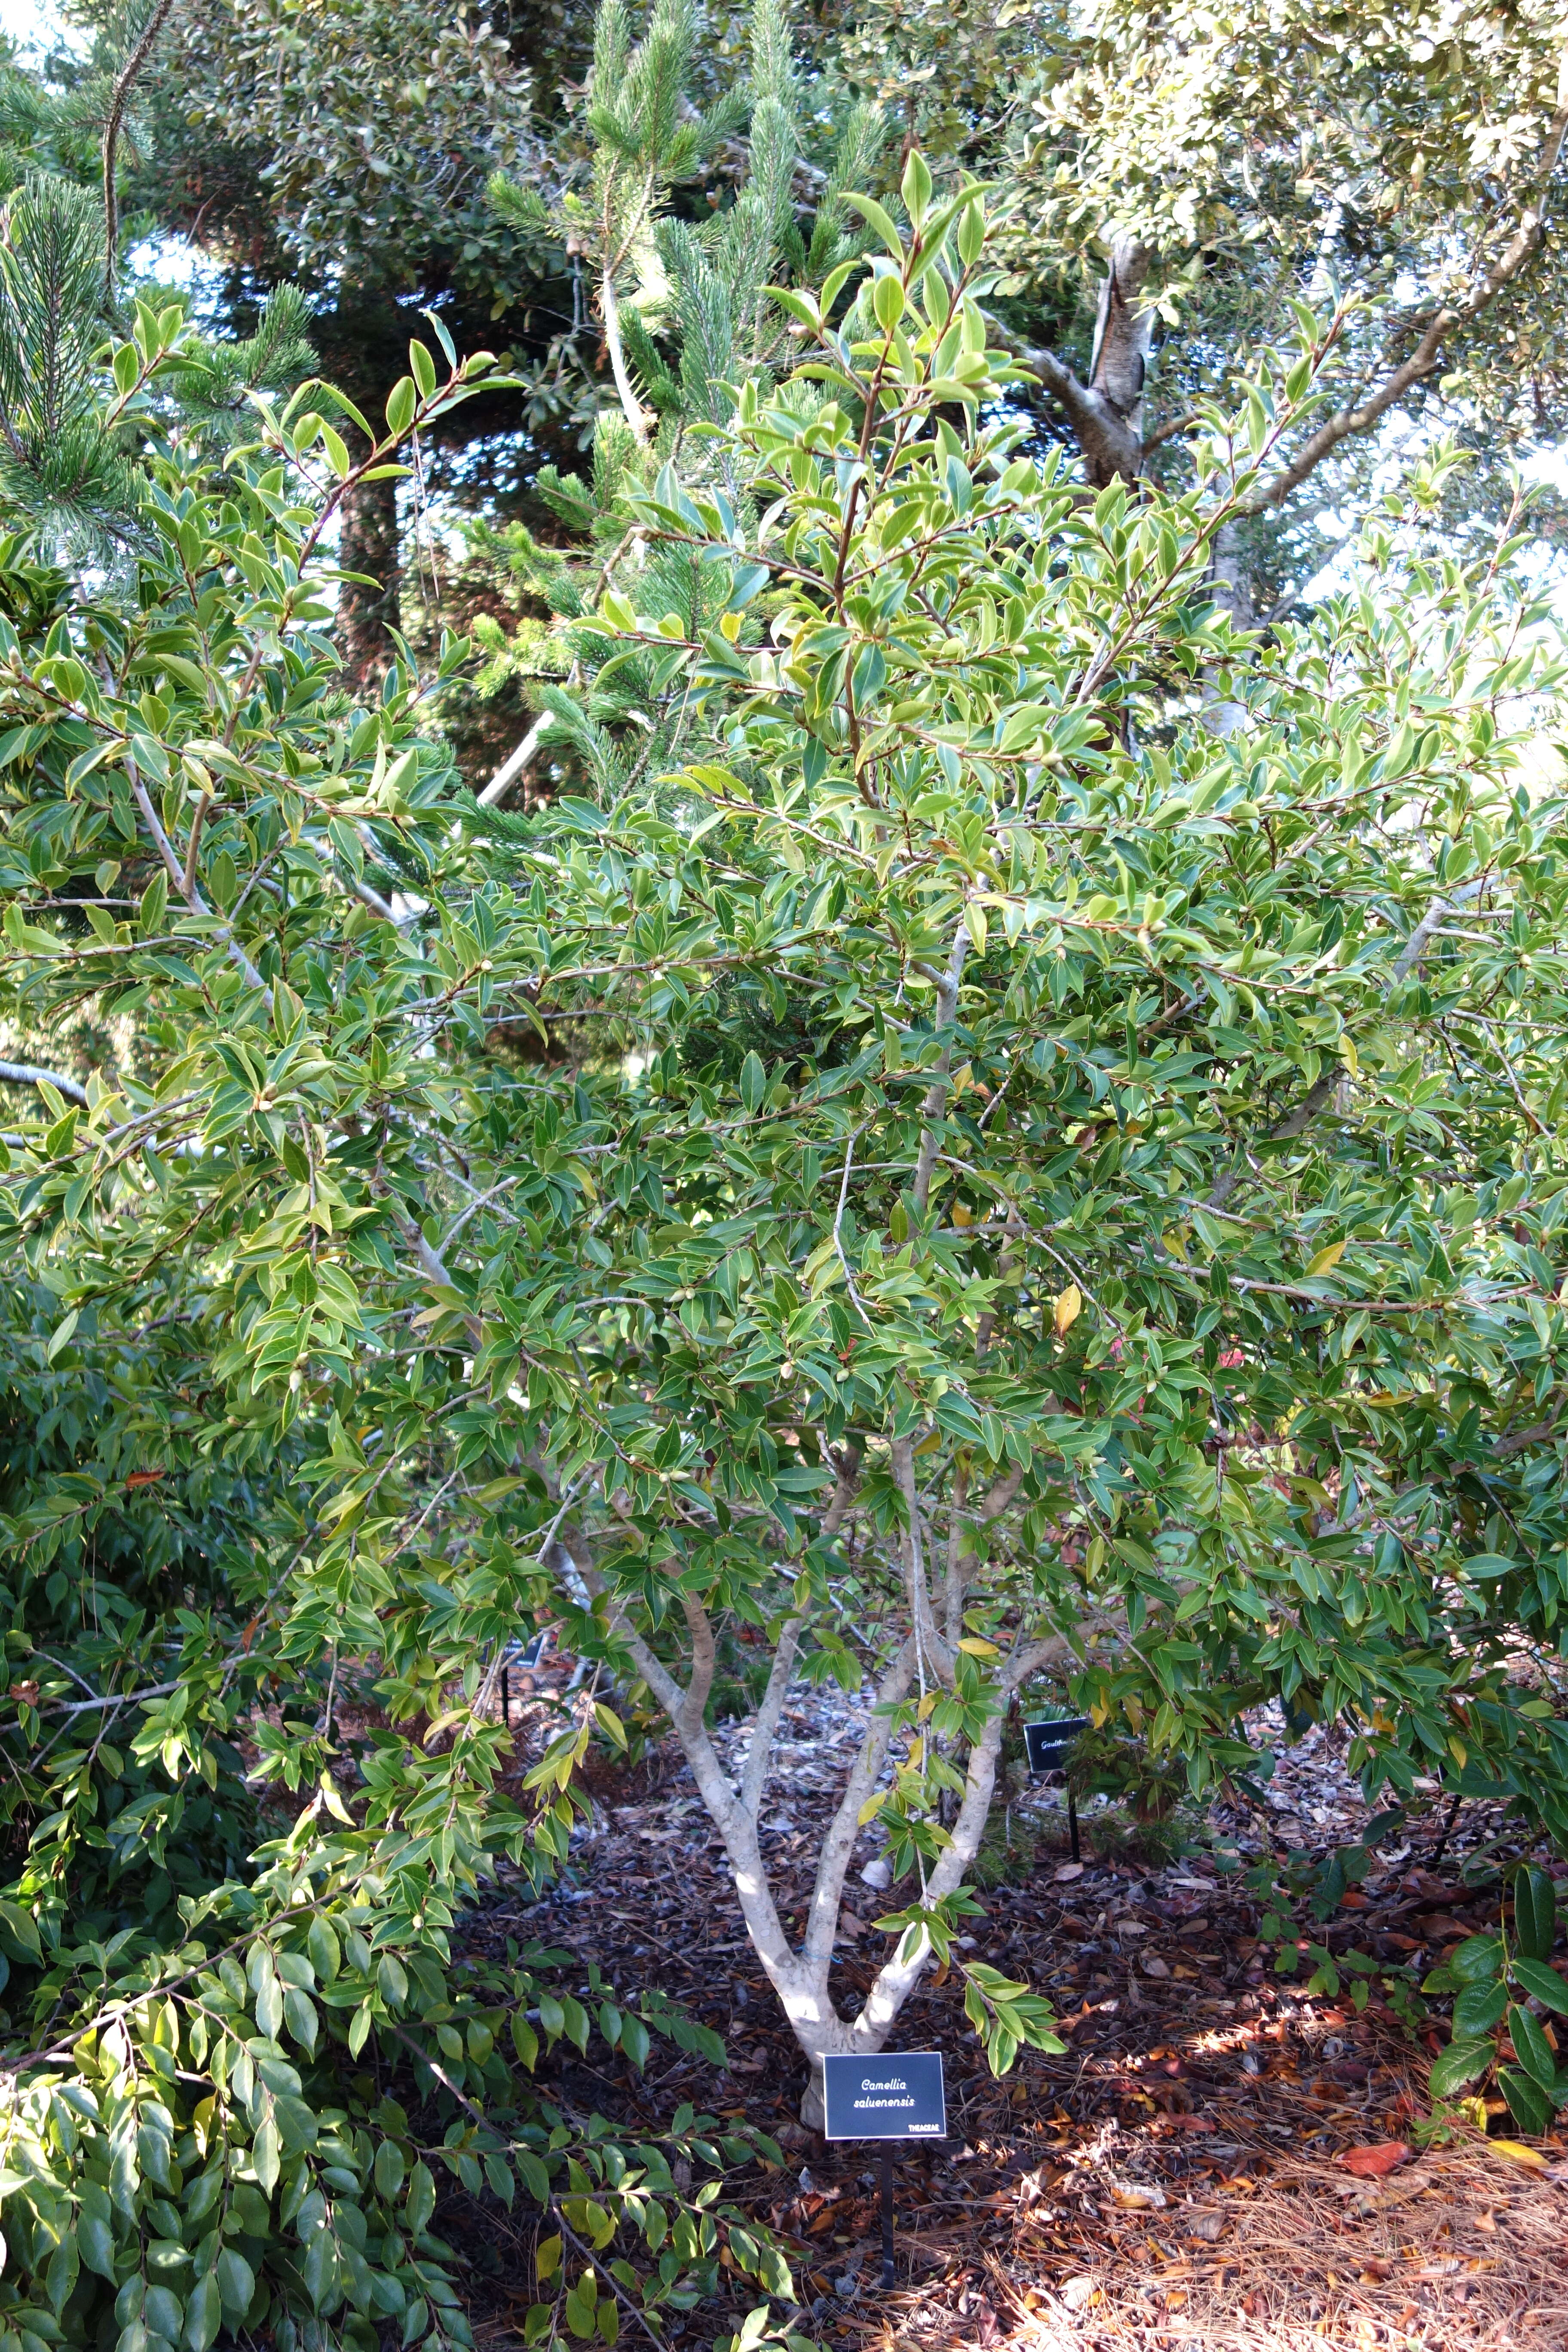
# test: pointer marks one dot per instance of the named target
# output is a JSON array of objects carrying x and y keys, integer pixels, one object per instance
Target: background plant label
[
  {"x": 898, "y": 2096},
  {"x": 1048, "y": 1740}
]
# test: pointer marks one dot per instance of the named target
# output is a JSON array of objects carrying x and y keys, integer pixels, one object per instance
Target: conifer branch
[{"x": 117, "y": 105}]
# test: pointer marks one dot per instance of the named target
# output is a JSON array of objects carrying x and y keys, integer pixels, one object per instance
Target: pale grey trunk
[{"x": 1232, "y": 586}]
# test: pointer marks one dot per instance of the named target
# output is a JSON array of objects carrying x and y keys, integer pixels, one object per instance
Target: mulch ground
[{"x": 1176, "y": 2176}]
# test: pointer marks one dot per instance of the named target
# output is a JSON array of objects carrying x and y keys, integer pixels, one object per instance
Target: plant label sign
[
  {"x": 1048, "y": 1740},
  {"x": 897, "y": 2096}
]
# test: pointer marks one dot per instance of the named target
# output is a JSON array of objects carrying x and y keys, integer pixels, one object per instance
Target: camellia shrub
[{"x": 1032, "y": 1153}]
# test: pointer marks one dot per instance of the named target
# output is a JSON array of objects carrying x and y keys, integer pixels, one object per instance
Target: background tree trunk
[
  {"x": 1107, "y": 412},
  {"x": 369, "y": 544},
  {"x": 1123, "y": 334}
]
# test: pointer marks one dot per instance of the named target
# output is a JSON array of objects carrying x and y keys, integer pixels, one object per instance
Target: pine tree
[
  {"x": 688, "y": 320},
  {"x": 58, "y": 468},
  {"x": 62, "y": 477}
]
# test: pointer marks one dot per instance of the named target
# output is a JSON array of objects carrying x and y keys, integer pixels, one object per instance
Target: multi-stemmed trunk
[{"x": 799, "y": 1973}]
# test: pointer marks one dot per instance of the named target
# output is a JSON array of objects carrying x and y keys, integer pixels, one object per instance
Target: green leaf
[
  {"x": 204, "y": 2315},
  {"x": 401, "y": 403},
  {"x": 1532, "y": 2048},
  {"x": 1527, "y": 2101},
  {"x": 1543, "y": 1983},
  {"x": 235, "y": 2283},
  {"x": 1480, "y": 2008},
  {"x": 1477, "y": 1958},
  {"x": 319, "y": 2268},
  {"x": 420, "y": 2203},
  {"x": 634, "y": 2041},
  {"x": 1461, "y": 2063},
  {"x": 872, "y": 213},
  {"x": 322, "y": 1943},
  {"x": 95, "y": 2243},
  {"x": 888, "y": 301},
  {"x": 265, "y": 2155},
  {"x": 916, "y": 187},
  {"x": 1534, "y": 1914},
  {"x": 22, "y": 1929}
]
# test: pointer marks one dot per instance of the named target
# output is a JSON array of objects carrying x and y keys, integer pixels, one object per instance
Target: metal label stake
[
  {"x": 895, "y": 2096},
  {"x": 1046, "y": 1742}
]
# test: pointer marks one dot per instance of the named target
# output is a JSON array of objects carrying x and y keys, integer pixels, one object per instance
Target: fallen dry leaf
[
  {"x": 1517, "y": 2153},
  {"x": 1068, "y": 1869},
  {"x": 1138, "y": 2195},
  {"x": 1371, "y": 2163},
  {"x": 1078, "y": 2293}
]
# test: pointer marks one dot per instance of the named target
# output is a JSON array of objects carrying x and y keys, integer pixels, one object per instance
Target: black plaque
[
  {"x": 1048, "y": 1740},
  {"x": 895, "y": 2096}
]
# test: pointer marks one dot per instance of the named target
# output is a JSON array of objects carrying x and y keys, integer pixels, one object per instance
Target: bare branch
[
  {"x": 1437, "y": 325},
  {"x": 511, "y": 767},
  {"x": 953, "y": 1581},
  {"x": 28, "y": 1073},
  {"x": 930, "y": 1648},
  {"x": 631, "y": 406},
  {"x": 189, "y": 890},
  {"x": 704, "y": 1657},
  {"x": 896, "y": 1976},
  {"x": 838, "y": 1840}
]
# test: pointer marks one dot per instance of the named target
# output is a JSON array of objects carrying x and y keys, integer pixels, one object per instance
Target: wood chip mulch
[{"x": 1175, "y": 2179}]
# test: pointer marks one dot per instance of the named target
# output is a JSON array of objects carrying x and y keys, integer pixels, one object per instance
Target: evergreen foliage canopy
[{"x": 1021, "y": 1181}]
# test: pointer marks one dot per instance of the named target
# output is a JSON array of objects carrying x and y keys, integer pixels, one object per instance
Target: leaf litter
[{"x": 1219, "y": 2158}]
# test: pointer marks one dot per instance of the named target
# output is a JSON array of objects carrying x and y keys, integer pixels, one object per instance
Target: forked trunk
[{"x": 800, "y": 1976}]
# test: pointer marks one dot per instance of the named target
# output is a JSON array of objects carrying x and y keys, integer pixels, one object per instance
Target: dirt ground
[{"x": 1177, "y": 2177}]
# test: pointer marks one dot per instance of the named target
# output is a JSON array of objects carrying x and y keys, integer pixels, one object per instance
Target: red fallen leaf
[
  {"x": 1371, "y": 2163},
  {"x": 144, "y": 1477},
  {"x": 1353, "y": 1900},
  {"x": 1188, "y": 2123}
]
